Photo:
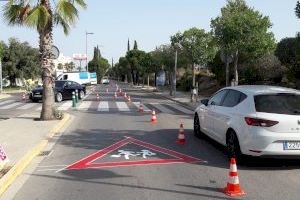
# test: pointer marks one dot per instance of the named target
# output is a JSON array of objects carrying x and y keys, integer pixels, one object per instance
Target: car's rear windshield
[
  {"x": 59, "y": 84},
  {"x": 280, "y": 103}
]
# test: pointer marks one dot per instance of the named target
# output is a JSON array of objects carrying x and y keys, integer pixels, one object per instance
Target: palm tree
[{"x": 42, "y": 15}]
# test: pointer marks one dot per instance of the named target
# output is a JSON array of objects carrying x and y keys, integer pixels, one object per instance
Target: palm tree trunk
[{"x": 45, "y": 37}]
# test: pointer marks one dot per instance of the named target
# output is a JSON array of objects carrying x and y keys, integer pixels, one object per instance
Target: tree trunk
[
  {"x": 236, "y": 74},
  {"x": 45, "y": 37},
  {"x": 148, "y": 79},
  {"x": 194, "y": 82},
  {"x": 194, "y": 75},
  {"x": 227, "y": 73},
  {"x": 171, "y": 83}
]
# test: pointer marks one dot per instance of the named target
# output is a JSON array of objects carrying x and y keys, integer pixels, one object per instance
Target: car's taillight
[{"x": 260, "y": 122}]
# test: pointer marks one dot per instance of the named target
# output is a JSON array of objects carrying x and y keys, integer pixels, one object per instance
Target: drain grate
[{"x": 44, "y": 153}]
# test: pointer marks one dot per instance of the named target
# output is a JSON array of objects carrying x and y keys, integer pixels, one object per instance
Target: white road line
[
  {"x": 137, "y": 104},
  {"x": 26, "y": 106},
  {"x": 11, "y": 105},
  {"x": 39, "y": 108},
  {"x": 122, "y": 106},
  {"x": 103, "y": 106},
  {"x": 65, "y": 106},
  {"x": 50, "y": 166},
  {"x": 162, "y": 108},
  {"x": 85, "y": 105},
  {"x": 182, "y": 109},
  {"x": 6, "y": 102}
]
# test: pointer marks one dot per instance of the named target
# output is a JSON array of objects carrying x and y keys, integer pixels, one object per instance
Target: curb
[{"x": 19, "y": 167}]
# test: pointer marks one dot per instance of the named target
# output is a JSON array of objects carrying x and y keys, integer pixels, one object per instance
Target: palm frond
[
  {"x": 12, "y": 11},
  {"x": 58, "y": 20},
  {"x": 81, "y": 3},
  {"x": 38, "y": 17},
  {"x": 67, "y": 11}
]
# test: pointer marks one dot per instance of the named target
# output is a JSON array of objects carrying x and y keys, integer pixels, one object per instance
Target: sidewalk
[
  {"x": 22, "y": 139},
  {"x": 181, "y": 97}
]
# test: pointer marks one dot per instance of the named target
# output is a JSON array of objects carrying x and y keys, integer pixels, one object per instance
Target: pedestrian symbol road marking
[
  {"x": 89, "y": 162},
  {"x": 145, "y": 153}
]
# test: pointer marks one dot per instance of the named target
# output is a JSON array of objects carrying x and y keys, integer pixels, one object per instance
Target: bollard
[
  {"x": 73, "y": 100},
  {"x": 76, "y": 96}
]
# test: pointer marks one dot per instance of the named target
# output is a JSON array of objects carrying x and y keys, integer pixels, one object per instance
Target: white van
[{"x": 83, "y": 78}]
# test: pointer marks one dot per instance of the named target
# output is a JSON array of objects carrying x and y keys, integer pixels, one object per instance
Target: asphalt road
[{"x": 89, "y": 160}]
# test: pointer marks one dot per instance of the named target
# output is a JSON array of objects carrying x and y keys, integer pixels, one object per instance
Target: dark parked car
[{"x": 63, "y": 90}]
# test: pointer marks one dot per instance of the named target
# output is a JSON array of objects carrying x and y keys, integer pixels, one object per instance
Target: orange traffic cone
[
  {"x": 115, "y": 96},
  {"x": 98, "y": 97},
  {"x": 141, "y": 108},
  {"x": 181, "y": 137},
  {"x": 125, "y": 95},
  {"x": 23, "y": 96},
  {"x": 233, "y": 185},
  {"x": 153, "y": 117}
]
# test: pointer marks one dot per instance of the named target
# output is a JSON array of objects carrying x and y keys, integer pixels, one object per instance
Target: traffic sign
[{"x": 89, "y": 162}]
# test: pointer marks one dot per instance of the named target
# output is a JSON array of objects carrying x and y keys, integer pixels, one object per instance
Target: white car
[
  {"x": 105, "y": 80},
  {"x": 252, "y": 120}
]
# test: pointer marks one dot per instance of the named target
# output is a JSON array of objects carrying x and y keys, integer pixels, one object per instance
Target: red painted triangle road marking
[{"x": 88, "y": 161}]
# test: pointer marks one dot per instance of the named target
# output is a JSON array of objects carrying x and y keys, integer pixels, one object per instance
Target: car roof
[{"x": 262, "y": 89}]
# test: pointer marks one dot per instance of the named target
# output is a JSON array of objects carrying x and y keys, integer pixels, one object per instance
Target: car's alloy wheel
[
  {"x": 197, "y": 129},
  {"x": 233, "y": 147},
  {"x": 81, "y": 94},
  {"x": 59, "y": 97}
]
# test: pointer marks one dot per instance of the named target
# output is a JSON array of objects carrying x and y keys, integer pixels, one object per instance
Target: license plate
[
  {"x": 37, "y": 95},
  {"x": 291, "y": 145}
]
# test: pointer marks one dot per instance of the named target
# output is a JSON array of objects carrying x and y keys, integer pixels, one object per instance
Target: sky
[{"x": 149, "y": 22}]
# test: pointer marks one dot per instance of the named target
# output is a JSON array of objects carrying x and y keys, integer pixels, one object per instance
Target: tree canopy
[{"x": 242, "y": 30}]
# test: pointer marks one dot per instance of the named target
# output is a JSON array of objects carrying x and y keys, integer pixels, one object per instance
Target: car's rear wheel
[
  {"x": 81, "y": 94},
  {"x": 58, "y": 97},
  {"x": 197, "y": 128},
  {"x": 34, "y": 100},
  {"x": 233, "y": 146}
]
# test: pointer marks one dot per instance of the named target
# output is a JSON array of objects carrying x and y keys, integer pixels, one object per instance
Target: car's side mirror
[{"x": 204, "y": 101}]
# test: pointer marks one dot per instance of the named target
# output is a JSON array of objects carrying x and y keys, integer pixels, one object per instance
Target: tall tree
[
  {"x": 134, "y": 58},
  {"x": 128, "y": 45},
  {"x": 288, "y": 52},
  {"x": 135, "y": 46},
  {"x": 242, "y": 30},
  {"x": 198, "y": 45},
  {"x": 297, "y": 9},
  {"x": 98, "y": 64},
  {"x": 43, "y": 15}
]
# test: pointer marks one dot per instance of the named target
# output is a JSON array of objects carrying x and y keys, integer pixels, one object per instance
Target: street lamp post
[
  {"x": 1, "y": 81},
  {"x": 86, "y": 44}
]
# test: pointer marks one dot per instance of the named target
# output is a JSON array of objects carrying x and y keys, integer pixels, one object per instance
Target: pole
[
  {"x": 86, "y": 33},
  {"x": 1, "y": 81},
  {"x": 175, "y": 70}
]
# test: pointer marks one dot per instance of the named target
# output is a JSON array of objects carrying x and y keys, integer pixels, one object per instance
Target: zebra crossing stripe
[
  {"x": 39, "y": 108},
  {"x": 11, "y": 105},
  {"x": 85, "y": 105},
  {"x": 162, "y": 108},
  {"x": 6, "y": 102},
  {"x": 103, "y": 106},
  {"x": 122, "y": 106},
  {"x": 182, "y": 109},
  {"x": 65, "y": 106},
  {"x": 137, "y": 104},
  {"x": 26, "y": 106}
]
